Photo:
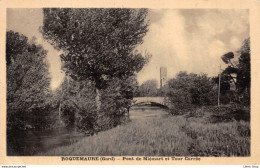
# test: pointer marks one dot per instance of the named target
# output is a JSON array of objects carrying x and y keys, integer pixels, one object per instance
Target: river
[
  {"x": 147, "y": 111},
  {"x": 30, "y": 142}
]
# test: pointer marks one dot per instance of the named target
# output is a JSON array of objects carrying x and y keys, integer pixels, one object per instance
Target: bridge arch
[{"x": 153, "y": 101}]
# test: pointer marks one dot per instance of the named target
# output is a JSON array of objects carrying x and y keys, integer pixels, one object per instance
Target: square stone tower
[{"x": 163, "y": 76}]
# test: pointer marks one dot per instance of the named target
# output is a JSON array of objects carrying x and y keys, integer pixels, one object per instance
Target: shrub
[
  {"x": 76, "y": 104},
  {"x": 187, "y": 91},
  {"x": 227, "y": 113},
  {"x": 116, "y": 100},
  {"x": 79, "y": 108}
]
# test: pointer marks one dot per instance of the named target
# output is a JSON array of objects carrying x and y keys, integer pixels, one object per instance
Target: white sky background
[{"x": 186, "y": 39}]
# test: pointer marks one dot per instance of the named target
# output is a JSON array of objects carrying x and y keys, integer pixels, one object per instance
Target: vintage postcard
[{"x": 130, "y": 83}]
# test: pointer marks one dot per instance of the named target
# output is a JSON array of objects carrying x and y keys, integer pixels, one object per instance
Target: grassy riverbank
[{"x": 170, "y": 136}]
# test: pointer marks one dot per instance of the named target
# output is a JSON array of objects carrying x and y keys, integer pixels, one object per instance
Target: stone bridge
[{"x": 156, "y": 101}]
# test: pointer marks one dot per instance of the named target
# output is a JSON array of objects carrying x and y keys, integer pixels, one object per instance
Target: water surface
[
  {"x": 147, "y": 111},
  {"x": 31, "y": 142}
]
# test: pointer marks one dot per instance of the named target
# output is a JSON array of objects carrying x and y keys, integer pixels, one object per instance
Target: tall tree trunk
[
  {"x": 98, "y": 101},
  {"x": 60, "y": 105}
]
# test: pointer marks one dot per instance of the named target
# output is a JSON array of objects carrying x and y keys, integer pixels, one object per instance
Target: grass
[{"x": 171, "y": 136}]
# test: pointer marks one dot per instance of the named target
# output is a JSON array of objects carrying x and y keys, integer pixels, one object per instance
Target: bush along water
[{"x": 78, "y": 107}]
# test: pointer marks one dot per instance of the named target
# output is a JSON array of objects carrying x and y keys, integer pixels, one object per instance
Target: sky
[{"x": 191, "y": 40}]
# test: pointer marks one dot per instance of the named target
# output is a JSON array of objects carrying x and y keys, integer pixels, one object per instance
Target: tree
[
  {"x": 148, "y": 88},
  {"x": 97, "y": 44},
  {"x": 187, "y": 90},
  {"x": 244, "y": 72},
  {"x": 15, "y": 44},
  {"x": 238, "y": 73},
  {"x": 231, "y": 69},
  {"x": 27, "y": 81},
  {"x": 76, "y": 104},
  {"x": 117, "y": 99}
]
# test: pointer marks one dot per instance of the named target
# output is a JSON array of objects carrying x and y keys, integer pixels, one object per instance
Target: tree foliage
[
  {"x": 227, "y": 57},
  {"x": 148, "y": 89},
  {"x": 117, "y": 99},
  {"x": 15, "y": 44},
  {"x": 243, "y": 74},
  {"x": 98, "y": 44},
  {"x": 239, "y": 73},
  {"x": 77, "y": 102},
  {"x": 188, "y": 90},
  {"x": 27, "y": 82}
]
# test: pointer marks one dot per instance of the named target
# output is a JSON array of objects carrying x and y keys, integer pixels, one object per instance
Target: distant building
[{"x": 163, "y": 76}]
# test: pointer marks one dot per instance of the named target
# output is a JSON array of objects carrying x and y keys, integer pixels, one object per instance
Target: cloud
[
  {"x": 186, "y": 39},
  {"x": 192, "y": 40},
  {"x": 167, "y": 43},
  {"x": 221, "y": 21},
  {"x": 235, "y": 42}
]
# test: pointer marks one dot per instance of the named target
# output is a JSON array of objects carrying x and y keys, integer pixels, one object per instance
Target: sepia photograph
[{"x": 128, "y": 82}]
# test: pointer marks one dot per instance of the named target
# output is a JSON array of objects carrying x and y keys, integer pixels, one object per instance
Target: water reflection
[
  {"x": 147, "y": 111},
  {"x": 30, "y": 142}
]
